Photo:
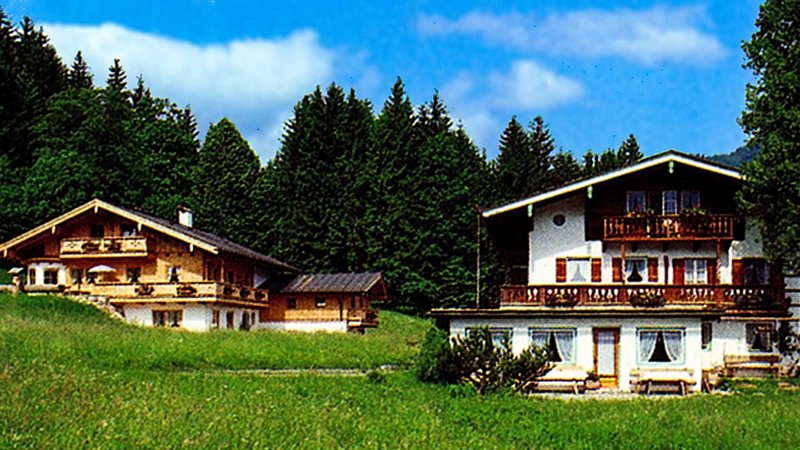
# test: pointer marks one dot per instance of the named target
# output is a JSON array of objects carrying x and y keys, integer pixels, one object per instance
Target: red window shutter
[
  {"x": 597, "y": 270},
  {"x": 652, "y": 270},
  {"x": 737, "y": 269},
  {"x": 711, "y": 267},
  {"x": 677, "y": 271},
  {"x": 616, "y": 269},
  {"x": 561, "y": 270}
]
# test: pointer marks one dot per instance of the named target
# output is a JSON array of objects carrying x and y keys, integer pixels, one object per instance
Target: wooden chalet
[
  {"x": 155, "y": 272},
  {"x": 647, "y": 274}
]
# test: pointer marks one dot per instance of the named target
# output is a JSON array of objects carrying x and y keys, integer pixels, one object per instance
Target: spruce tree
[
  {"x": 629, "y": 152},
  {"x": 223, "y": 182},
  {"x": 770, "y": 118},
  {"x": 78, "y": 75},
  {"x": 513, "y": 162}
]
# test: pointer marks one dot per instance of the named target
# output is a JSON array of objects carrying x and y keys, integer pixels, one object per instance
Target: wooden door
[{"x": 606, "y": 356}]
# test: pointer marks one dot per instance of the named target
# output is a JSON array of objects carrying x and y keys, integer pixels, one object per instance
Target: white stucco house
[{"x": 644, "y": 275}]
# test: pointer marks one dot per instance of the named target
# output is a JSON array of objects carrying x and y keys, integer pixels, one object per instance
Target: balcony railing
[
  {"x": 719, "y": 295},
  {"x": 126, "y": 246},
  {"x": 362, "y": 318},
  {"x": 164, "y": 291},
  {"x": 668, "y": 228}
]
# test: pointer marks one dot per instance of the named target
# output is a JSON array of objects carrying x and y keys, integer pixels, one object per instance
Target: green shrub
[{"x": 478, "y": 361}]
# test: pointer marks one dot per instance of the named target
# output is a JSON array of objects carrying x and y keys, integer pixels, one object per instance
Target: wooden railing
[
  {"x": 672, "y": 227},
  {"x": 166, "y": 290},
  {"x": 720, "y": 295},
  {"x": 362, "y": 318},
  {"x": 126, "y": 246}
]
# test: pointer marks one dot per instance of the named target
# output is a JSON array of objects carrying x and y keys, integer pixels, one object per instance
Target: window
[
  {"x": 174, "y": 274},
  {"x": 133, "y": 274},
  {"x": 96, "y": 230},
  {"x": 229, "y": 319},
  {"x": 559, "y": 220},
  {"x": 669, "y": 202},
  {"x": 51, "y": 276},
  {"x": 170, "y": 318},
  {"x": 499, "y": 335},
  {"x": 759, "y": 337},
  {"x": 291, "y": 303},
  {"x": 31, "y": 276},
  {"x": 214, "y": 318},
  {"x": 320, "y": 302},
  {"x": 230, "y": 277},
  {"x": 636, "y": 201},
  {"x": 129, "y": 230},
  {"x": 695, "y": 271},
  {"x": 77, "y": 276},
  {"x": 560, "y": 343},
  {"x": 214, "y": 273},
  {"x": 91, "y": 277},
  {"x": 705, "y": 335},
  {"x": 661, "y": 346},
  {"x": 578, "y": 270},
  {"x": 636, "y": 270},
  {"x": 755, "y": 272},
  {"x": 690, "y": 200}
]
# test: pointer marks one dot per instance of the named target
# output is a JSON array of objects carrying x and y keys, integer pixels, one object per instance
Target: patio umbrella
[{"x": 102, "y": 268}]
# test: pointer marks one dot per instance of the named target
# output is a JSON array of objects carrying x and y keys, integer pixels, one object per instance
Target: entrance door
[{"x": 606, "y": 356}]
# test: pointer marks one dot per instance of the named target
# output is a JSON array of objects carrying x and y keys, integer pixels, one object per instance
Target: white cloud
[
  {"x": 527, "y": 87},
  {"x": 254, "y": 82},
  {"x": 646, "y": 36}
]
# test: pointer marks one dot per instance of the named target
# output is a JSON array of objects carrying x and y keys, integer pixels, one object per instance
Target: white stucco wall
[
  {"x": 584, "y": 357},
  {"x": 548, "y": 241},
  {"x": 196, "y": 317},
  {"x": 40, "y": 267}
]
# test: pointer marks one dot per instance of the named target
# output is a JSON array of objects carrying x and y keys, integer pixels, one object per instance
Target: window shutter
[
  {"x": 597, "y": 270},
  {"x": 561, "y": 270},
  {"x": 711, "y": 267},
  {"x": 677, "y": 271},
  {"x": 737, "y": 269},
  {"x": 652, "y": 270},
  {"x": 616, "y": 269}
]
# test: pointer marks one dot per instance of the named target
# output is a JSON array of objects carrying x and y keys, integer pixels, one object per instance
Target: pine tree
[
  {"x": 770, "y": 118},
  {"x": 542, "y": 147},
  {"x": 513, "y": 162},
  {"x": 565, "y": 169},
  {"x": 78, "y": 75},
  {"x": 223, "y": 182},
  {"x": 629, "y": 152}
]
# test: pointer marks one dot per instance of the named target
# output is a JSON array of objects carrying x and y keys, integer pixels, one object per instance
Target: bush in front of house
[{"x": 479, "y": 361}]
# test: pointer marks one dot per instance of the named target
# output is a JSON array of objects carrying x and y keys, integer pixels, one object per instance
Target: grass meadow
[{"x": 72, "y": 378}]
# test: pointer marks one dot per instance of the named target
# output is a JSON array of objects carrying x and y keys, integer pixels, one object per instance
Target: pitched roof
[
  {"x": 661, "y": 158},
  {"x": 355, "y": 283},
  {"x": 198, "y": 238}
]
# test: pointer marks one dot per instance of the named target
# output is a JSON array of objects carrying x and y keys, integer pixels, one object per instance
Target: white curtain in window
[
  {"x": 647, "y": 345},
  {"x": 539, "y": 338},
  {"x": 673, "y": 341},
  {"x": 565, "y": 341}
]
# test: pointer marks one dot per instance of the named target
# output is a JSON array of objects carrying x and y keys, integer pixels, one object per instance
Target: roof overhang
[
  {"x": 576, "y": 312},
  {"x": 97, "y": 205},
  {"x": 663, "y": 158}
]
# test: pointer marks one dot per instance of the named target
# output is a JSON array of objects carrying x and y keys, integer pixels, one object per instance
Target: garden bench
[
  {"x": 572, "y": 377},
  {"x": 646, "y": 379},
  {"x": 751, "y": 364}
]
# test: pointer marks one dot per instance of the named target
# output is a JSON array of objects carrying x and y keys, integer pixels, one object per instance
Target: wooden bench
[
  {"x": 571, "y": 377},
  {"x": 646, "y": 379},
  {"x": 760, "y": 364}
]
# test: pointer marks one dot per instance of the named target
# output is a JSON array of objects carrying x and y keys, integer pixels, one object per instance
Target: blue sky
[{"x": 669, "y": 72}]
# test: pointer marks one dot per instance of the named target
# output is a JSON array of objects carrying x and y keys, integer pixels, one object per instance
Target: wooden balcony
[
  {"x": 202, "y": 291},
  {"x": 362, "y": 318},
  {"x": 722, "y": 296},
  {"x": 683, "y": 227},
  {"x": 123, "y": 246}
]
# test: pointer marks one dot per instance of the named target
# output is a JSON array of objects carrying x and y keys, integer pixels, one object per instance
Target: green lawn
[{"x": 57, "y": 392}]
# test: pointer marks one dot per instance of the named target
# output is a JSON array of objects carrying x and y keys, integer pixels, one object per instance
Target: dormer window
[{"x": 636, "y": 201}]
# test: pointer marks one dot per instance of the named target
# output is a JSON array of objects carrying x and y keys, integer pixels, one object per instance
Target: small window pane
[
  {"x": 690, "y": 200},
  {"x": 635, "y": 270},
  {"x": 670, "y": 202},
  {"x": 51, "y": 276},
  {"x": 578, "y": 270},
  {"x": 759, "y": 337},
  {"x": 636, "y": 201},
  {"x": 755, "y": 272},
  {"x": 706, "y": 330}
]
